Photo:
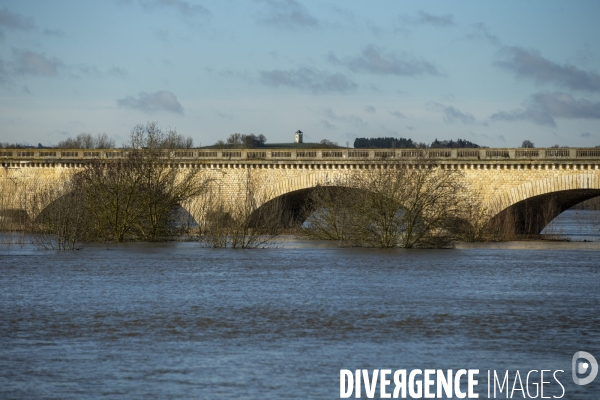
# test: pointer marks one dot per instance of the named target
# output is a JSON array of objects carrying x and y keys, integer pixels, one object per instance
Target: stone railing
[{"x": 313, "y": 154}]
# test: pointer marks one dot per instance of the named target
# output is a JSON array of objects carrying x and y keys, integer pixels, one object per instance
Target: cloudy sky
[{"x": 495, "y": 73}]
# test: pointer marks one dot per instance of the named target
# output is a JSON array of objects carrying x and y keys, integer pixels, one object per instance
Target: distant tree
[
  {"x": 151, "y": 136},
  {"x": 451, "y": 144},
  {"x": 235, "y": 139},
  {"x": 70, "y": 143},
  {"x": 7, "y": 145},
  {"x": 328, "y": 143},
  {"x": 252, "y": 140},
  {"x": 242, "y": 140},
  {"x": 87, "y": 141},
  {"x": 102, "y": 141},
  {"x": 173, "y": 140},
  {"x": 528, "y": 144},
  {"x": 383, "y": 143}
]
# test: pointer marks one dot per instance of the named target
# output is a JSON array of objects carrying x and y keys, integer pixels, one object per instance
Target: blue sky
[{"x": 495, "y": 73}]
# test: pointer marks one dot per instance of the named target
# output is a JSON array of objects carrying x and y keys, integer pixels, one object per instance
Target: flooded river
[{"x": 181, "y": 322}]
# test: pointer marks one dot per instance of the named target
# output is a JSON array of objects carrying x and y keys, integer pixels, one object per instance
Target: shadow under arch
[
  {"x": 528, "y": 208},
  {"x": 530, "y": 216},
  {"x": 297, "y": 205},
  {"x": 13, "y": 219}
]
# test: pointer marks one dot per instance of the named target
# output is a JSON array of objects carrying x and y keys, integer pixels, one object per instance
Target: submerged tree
[
  {"x": 250, "y": 222},
  {"x": 330, "y": 208},
  {"x": 391, "y": 205},
  {"x": 136, "y": 196},
  {"x": 133, "y": 196},
  {"x": 473, "y": 222},
  {"x": 113, "y": 194},
  {"x": 65, "y": 221}
]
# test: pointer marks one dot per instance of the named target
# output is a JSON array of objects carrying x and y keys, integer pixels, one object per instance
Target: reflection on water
[{"x": 178, "y": 321}]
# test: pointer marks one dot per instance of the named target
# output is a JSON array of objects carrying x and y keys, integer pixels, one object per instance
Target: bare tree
[
  {"x": 134, "y": 197},
  {"x": 88, "y": 141},
  {"x": 14, "y": 208},
  {"x": 328, "y": 143},
  {"x": 249, "y": 222},
  {"x": 394, "y": 205},
  {"x": 257, "y": 223},
  {"x": 235, "y": 139},
  {"x": 215, "y": 219},
  {"x": 329, "y": 209},
  {"x": 64, "y": 222},
  {"x": 102, "y": 141},
  {"x": 113, "y": 193},
  {"x": 137, "y": 197},
  {"x": 49, "y": 215},
  {"x": 167, "y": 188},
  {"x": 409, "y": 205},
  {"x": 152, "y": 137},
  {"x": 473, "y": 222}
]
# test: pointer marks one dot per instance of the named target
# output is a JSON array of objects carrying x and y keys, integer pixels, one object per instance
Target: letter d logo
[{"x": 582, "y": 367}]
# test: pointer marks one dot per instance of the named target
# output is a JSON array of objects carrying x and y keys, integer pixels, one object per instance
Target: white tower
[{"x": 298, "y": 137}]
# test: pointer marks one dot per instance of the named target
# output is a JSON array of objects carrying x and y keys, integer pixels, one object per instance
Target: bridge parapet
[{"x": 331, "y": 154}]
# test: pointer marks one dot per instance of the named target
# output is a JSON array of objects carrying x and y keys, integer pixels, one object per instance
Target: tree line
[
  {"x": 384, "y": 142},
  {"x": 402, "y": 143},
  {"x": 173, "y": 140},
  {"x": 240, "y": 140},
  {"x": 149, "y": 136}
]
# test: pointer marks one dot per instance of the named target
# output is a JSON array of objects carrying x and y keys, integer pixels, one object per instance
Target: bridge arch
[
  {"x": 294, "y": 192},
  {"x": 303, "y": 182},
  {"x": 530, "y": 206},
  {"x": 533, "y": 205}
]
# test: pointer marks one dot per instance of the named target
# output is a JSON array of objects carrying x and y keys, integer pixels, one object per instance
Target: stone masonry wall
[{"x": 498, "y": 184}]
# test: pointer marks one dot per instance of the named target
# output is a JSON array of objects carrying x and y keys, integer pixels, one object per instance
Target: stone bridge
[{"x": 506, "y": 180}]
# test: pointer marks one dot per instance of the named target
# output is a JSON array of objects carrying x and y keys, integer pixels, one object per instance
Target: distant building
[{"x": 298, "y": 137}]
